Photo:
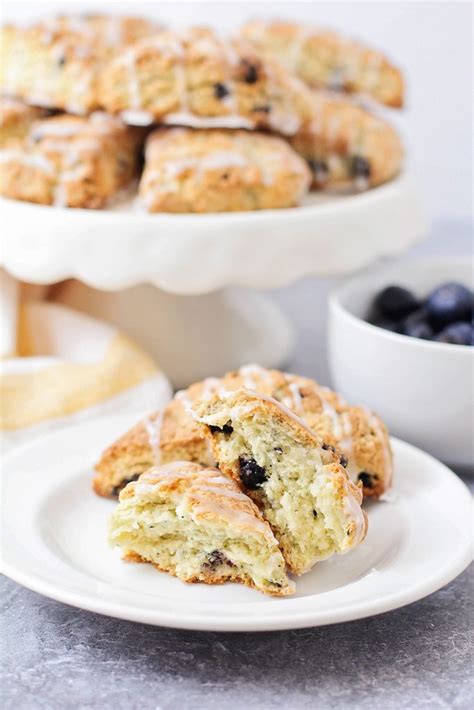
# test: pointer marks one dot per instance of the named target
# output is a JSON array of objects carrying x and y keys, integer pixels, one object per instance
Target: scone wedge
[
  {"x": 196, "y": 524},
  {"x": 296, "y": 480}
]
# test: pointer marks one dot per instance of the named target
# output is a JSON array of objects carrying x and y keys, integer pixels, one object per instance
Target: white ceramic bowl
[{"x": 421, "y": 389}]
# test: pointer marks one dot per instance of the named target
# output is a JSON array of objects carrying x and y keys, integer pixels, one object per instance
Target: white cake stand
[{"x": 121, "y": 249}]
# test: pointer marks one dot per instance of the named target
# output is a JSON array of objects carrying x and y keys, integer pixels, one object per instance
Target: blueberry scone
[
  {"x": 197, "y": 79},
  {"x": 70, "y": 161},
  {"x": 188, "y": 170},
  {"x": 196, "y": 524},
  {"x": 347, "y": 146},
  {"x": 57, "y": 62},
  {"x": 16, "y": 119},
  {"x": 325, "y": 60},
  {"x": 298, "y": 483},
  {"x": 356, "y": 433}
]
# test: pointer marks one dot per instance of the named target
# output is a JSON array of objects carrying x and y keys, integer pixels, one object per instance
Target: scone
[
  {"x": 56, "y": 62},
  {"x": 188, "y": 170},
  {"x": 196, "y": 524},
  {"x": 357, "y": 433},
  {"x": 347, "y": 146},
  {"x": 70, "y": 161},
  {"x": 194, "y": 78},
  {"x": 15, "y": 120},
  {"x": 297, "y": 481},
  {"x": 325, "y": 60}
]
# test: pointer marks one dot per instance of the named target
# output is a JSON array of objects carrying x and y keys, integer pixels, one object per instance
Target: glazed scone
[
  {"x": 189, "y": 170},
  {"x": 56, "y": 62},
  {"x": 196, "y": 524},
  {"x": 325, "y": 60},
  {"x": 196, "y": 79},
  {"x": 298, "y": 483},
  {"x": 356, "y": 432},
  {"x": 16, "y": 119},
  {"x": 70, "y": 161},
  {"x": 347, "y": 146}
]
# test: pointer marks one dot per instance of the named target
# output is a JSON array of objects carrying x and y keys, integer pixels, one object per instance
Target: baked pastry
[
  {"x": 325, "y": 60},
  {"x": 196, "y": 79},
  {"x": 15, "y": 120},
  {"x": 196, "y": 524},
  {"x": 358, "y": 434},
  {"x": 347, "y": 146},
  {"x": 56, "y": 62},
  {"x": 70, "y": 161},
  {"x": 188, "y": 170},
  {"x": 297, "y": 481}
]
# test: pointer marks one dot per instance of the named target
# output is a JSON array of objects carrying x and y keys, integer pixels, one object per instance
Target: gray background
[{"x": 54, "y": 656}]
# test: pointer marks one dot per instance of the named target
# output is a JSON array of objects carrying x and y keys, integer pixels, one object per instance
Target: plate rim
[{"x": 289, "y": 619}]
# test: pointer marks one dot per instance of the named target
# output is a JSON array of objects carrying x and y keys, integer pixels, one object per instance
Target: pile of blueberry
[{"x": 445, "y": 315}]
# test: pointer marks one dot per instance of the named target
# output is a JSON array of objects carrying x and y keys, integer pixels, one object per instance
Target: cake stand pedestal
[{"x": 170, "y": 280}]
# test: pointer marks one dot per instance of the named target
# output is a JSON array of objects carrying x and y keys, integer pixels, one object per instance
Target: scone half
[
  {"x": 298, "y": 482},
  {"x": 196, "y": 524}
]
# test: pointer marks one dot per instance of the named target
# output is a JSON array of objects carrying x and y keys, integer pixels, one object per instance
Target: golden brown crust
[
  {"x": 57, "y": 62},
  {"x": 217, "y": 170},
  {"x": 71, "y": 161},
  {"x": 358, "y": 433},
  {"x": 326, "y": 60},
  {"x": 16, "y": 119}
]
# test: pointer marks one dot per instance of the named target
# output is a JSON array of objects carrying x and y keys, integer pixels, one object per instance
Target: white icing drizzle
[
  {"x": 330, "y": 412},
  {"x": 153, "y": 428},
  {"x": 133, "y": 84},
  {"x": 185, "y": 118},
  {"x": 212, "y": 161},
  {"x": 355, "y": 513},
  {"x": 252, "y": 374},
  {"x": 40, "y": 162},
  {"x": 296, "y": 397},
  {"x": 233, "y": 515},
  {"x": 137, "y": 117},
  {"x": 183, "y": 397}
]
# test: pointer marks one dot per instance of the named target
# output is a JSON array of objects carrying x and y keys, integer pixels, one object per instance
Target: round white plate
[
  {"x": 188, "y": 253},
  {"x": 54, "y": 542}
]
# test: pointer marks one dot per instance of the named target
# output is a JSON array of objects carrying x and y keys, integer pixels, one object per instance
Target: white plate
[
  {"x": 187, "y": 253},
  {"x": 54, "y": 542}
]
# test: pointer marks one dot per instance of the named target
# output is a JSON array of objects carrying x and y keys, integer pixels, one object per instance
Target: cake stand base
[{"x": 191, "y": 337}]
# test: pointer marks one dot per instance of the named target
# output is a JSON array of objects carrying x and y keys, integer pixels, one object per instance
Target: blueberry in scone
[
  {"x": 196, "y": 524},
  {"x": 300, "y": 486}
]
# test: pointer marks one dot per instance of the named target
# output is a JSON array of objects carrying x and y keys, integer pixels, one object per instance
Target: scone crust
[
  {"x": 175, "y": 77},
  {"x": 326, "y": 60},
  {"x": 71, "y": 161},
  {"x": 217, "y": 170},
  {"x": 16, "y": 119}
]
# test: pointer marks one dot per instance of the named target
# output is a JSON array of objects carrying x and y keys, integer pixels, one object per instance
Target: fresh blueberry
[
  {"x": 251, "y": 474},
  {"x": 387, "y": 324},
  {"x": 395, "y": 302},
  {"x": 460, "y": 333},
  {"x": 416, "y": 326},
  {"x": 449, "y": 303}
]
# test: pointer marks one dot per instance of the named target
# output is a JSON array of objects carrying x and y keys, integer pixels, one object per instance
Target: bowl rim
[{"x": 338, "y": 292}]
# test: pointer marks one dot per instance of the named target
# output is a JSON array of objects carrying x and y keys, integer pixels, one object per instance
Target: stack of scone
[
  {"x": 247, "y": 123},
  {"x": 245, "y": 478}
]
